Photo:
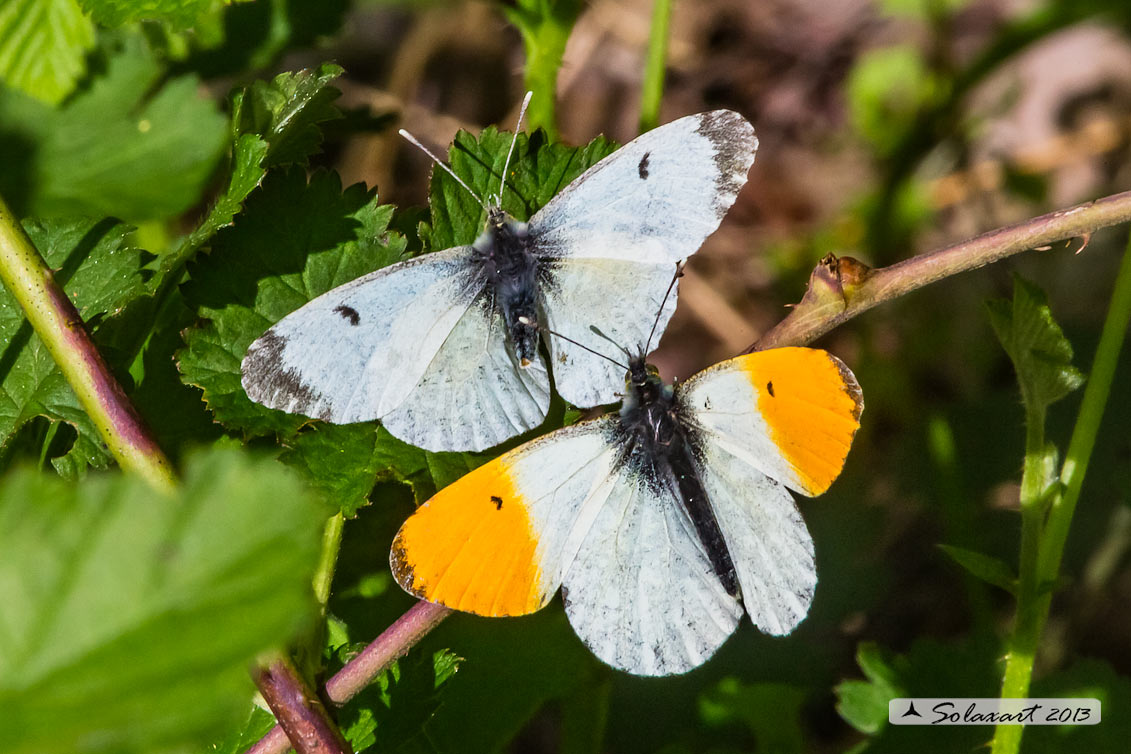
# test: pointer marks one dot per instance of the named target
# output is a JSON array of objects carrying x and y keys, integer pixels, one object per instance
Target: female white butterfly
[
  {"x": 662, "y": 524},
  {"x": 443, "y": 348}
]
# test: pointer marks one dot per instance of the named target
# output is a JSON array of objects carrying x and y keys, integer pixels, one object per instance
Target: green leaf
[
  {"x": 130, "y": 617},
  {"x": 272, "y": 123},
  {"x": 392, "y": 711},
  {"x": 100, "y": 273},
  {"x": 771, "y": 711},
  {"x": 293, "y": 242},
  {"x": 538, "y": 170},
  {"x": 43, "y": 46},
  {"x": 179, "y": 13},
  {"x": 985, "y": 567},
  {"x": 545, "y": 26},
  {"x": 886, "y": 88},
  {"x": 258, "y": 724},
  {"x": 1041, "y": 355},
  {"x": 287, "y": 111},
  {"x": 864, "y": 704},
  {"x": 424, "y": 472},
  {"x": 929, "y": 669},
  {"x": 1086, "y": 678},
  {"x": 339, "y": 460},
  {"x": 135, "y": 144}
]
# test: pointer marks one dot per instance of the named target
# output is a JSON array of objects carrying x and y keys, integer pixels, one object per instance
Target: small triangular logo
[{"x": 911, "y": 711}]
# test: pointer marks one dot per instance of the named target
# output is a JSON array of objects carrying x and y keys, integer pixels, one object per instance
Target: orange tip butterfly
[
  {"x": 662, "y": 524},
  {"x": 444, "y": 348}
]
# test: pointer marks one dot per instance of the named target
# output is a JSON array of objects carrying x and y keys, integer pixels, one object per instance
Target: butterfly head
[{"x": 643, "y": 385}]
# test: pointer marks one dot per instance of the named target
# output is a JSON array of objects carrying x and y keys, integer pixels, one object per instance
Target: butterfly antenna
[
  {"x": 596, "y": 331},
  {"x": 514, "y": 140},
  {"x": 413, "y": 140},
  {"x": 678, "y": 274},
  {"x": 526, "y": 321}
]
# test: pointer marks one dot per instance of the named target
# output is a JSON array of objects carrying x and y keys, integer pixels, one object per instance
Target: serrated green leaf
[
  {"x": 339, "y": 460},
  {"x": 985, "y": 567},
  {"x": 179, "y": 13},
  {"x": 273, "y": 123},
  {"x": 133, "y": 145},
  {"x": 43, "y": 46},
  {"x": 246, "y": 174},
  {"x": 424, "y": 472},
  {"x": 286, "y": 112},
  {"x": 538, "y": 170},
  {"x": 293, "y": 242},
  {"x": 864, "y": 704},
  {"x": 101, "y": 274},
  {"x": 392, "y": 712},
  {"x": 130, "y": 617},
  {"x": 929, "y": 669},
  {"x": 1041, "y": 355},
  {"x": 771, "y": 711},
  {"x": 258, "y": 724}
]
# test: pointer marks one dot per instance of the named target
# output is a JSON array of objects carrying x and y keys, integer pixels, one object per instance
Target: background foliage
[{"x": 192, "y": 169}]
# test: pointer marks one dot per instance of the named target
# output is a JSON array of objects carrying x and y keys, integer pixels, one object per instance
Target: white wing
[
  {"x": 364, "y": 350},
  {"x": 655, "y": 198},
  {"x": 621, "y": 298},
  {"x": 649, "y": 205},
  {"x": 473, "y": 395},
  {"x": 766, "y": 537},
  {"x": 496, "y": 541},
  {"x": 764, "y": 421},
  {"x": 641, "y": 592}
]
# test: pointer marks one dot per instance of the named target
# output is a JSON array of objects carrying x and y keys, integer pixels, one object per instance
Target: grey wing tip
[{"x": 726, "y": 128}]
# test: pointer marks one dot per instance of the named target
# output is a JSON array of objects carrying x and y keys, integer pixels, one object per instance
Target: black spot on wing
[
  {"x": 642, "y": 168},
  {"x": 348, "y": 312},
  {"x": 770, "y": 388},
  {"x": 734, "y": 143},
  {"x": 268, "y": 380},
  {"x": 498, "y": 501}
]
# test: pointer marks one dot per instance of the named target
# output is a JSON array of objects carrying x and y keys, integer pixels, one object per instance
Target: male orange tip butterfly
[{"x": 662, "y": 523}]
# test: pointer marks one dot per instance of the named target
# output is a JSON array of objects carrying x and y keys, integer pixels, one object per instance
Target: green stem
[
  {"x": 1041, "y": 551},
  {"x": 328, "y": 561},
  {"x": 545, "y": 27},
  {"x": 652, "y": 89},
  {"x": 58, "y": 324},
  {"x": 1088, "y": 421}
]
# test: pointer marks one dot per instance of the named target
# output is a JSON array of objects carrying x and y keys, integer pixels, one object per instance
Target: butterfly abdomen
[
  {"x": 662, "y": 451},
  {"x": 512, "y": 272}
]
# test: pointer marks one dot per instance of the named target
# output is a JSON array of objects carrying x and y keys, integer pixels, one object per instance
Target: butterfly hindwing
[
  {"x": 642, "y": 593},
  {"x": 608, "y": 294},
  {"x": 473, "y": 395}
]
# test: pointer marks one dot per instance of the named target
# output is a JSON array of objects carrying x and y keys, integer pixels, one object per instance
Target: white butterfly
[
  {"x": 662, "y": 523},
  {"x": 443, "y": 348}
]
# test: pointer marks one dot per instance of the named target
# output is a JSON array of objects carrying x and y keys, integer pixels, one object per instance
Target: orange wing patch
[
  {"x": 472, "y": 547},
  {"x": 811, "y": 404}
]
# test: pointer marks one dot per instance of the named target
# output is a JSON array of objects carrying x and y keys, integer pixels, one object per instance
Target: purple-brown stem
[
  {"x": 839, "y": 289},
  {"x": 59, "y": 326},
  {"x": 300, "y": 712},
  {"x": 359, "y": 672}
]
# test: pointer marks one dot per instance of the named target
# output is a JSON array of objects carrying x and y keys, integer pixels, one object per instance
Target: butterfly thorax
[
  {"x": 663, "y": 450},
  {"x": 503, "y": 249}
]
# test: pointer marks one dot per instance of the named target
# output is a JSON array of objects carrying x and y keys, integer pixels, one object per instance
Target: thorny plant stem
[
  {"x": 818, "y": 314},
  {"x": 58, "y": 324},
  {"x": 653, "y": 87},
  {"x": 1042, "y": 543},
  {"x": 361, "y": 670}
]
